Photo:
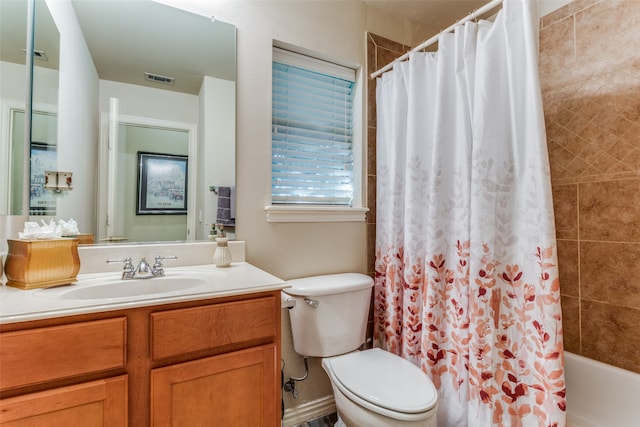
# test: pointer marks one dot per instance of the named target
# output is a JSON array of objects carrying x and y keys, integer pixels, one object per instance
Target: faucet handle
[
  {"x": 128, "y": 270},
  {"x": 124, "y": 260},
  {"x": 158, "y": 268}
]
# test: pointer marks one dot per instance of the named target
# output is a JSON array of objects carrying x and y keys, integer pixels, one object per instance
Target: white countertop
[{"x": 17, "y": 305}]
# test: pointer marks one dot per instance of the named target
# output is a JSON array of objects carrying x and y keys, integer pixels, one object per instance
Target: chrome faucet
[{"x": 143, "y": 270}]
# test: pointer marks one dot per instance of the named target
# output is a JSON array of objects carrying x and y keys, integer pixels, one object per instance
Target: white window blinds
[{"x": 312, "y": 159}]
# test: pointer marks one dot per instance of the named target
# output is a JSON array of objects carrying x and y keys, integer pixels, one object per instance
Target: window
[{"x": 312, "y": 131}]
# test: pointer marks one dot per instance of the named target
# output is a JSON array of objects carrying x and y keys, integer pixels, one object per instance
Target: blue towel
[{"x": 226, "y": 214}]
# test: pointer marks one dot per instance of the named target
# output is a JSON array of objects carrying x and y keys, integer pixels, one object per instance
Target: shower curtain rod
[{"x": 481, "y": 11}]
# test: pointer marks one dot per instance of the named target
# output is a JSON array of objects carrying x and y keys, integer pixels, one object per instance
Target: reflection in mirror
[
  {"x": 167, "y": 72},
  {"x": 43, "y": 157},
  {"x": 157, "y": 203},
  {"x": 108, "y": 46},
  {"x": 13, "y": 87}
]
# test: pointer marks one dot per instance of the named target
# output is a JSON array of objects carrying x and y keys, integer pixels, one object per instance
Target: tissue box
[{"x": 41, "y": 263}]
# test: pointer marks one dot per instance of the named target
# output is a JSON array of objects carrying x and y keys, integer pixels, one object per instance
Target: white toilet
[{"x": 372, "y": 388}]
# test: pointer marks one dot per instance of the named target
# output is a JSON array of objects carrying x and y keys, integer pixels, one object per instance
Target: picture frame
[
  {"x": 162, "y": 184},
  {"x": 44, "y": 157}
]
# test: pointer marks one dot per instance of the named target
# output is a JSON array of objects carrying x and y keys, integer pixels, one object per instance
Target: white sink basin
[{"x": 114, "y": 289}]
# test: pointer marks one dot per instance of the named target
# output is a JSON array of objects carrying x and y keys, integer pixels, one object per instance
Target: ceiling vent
[
  {"x": 159, "y": 79},
  {"x": 38, "y": 54}
]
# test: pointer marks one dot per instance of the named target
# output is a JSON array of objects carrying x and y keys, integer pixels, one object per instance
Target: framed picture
[
  {"x": 162, "y": 184},
  {"x": 43, "y": 158}
]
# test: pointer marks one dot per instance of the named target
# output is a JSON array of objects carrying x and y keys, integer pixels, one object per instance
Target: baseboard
[
  {"x": 309, "y": 411},
  {"x": 577, "y": 421}
]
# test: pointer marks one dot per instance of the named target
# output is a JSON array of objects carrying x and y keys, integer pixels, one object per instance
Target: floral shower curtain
[{"x": 466, "y": 277}]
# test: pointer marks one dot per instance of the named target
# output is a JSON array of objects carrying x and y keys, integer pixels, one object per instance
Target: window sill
[{"x": 315, "y": 214}]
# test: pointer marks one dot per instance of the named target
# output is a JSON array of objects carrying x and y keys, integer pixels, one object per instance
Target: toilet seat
[{"x": 383, "y": 383}]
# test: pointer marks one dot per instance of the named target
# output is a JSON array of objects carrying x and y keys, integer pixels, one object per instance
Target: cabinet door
[
  {"x": 233, "y": 390},
  {"x": 101, "y": 403}
]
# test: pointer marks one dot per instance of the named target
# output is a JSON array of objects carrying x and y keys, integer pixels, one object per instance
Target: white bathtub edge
[{"x": 600, "y": 395}]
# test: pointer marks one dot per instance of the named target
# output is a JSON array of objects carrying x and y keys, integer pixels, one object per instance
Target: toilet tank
[{"x": 330, "y": 314}]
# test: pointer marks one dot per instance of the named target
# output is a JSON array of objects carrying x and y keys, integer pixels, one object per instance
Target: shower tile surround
[
  {"x": 590, "y": 77},
  {"x": 380, "y": 52}
]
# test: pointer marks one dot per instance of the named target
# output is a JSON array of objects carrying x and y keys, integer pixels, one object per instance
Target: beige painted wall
[
  {"x": 335, "y": 29},
  {"x": 338, "y": 30}
]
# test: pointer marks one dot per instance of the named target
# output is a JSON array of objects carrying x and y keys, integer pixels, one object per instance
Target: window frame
[{"x": 329, "y": 213}]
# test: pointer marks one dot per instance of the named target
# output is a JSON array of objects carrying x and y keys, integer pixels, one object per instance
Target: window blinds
[{"x": 312, "y": 160}]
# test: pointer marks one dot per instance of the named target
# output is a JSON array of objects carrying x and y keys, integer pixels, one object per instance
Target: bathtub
[{"x": 600, "y": 395}]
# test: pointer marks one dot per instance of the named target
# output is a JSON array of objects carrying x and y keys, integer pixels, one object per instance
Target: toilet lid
[{"x": 385, "y": 380}]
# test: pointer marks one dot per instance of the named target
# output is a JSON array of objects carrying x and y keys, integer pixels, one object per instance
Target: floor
[{"x": 326, "y": 421}]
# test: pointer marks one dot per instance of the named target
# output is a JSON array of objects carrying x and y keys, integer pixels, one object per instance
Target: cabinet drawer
[
  {"x": 44, "y": 354},
  {"x": 188, "y": 330}
]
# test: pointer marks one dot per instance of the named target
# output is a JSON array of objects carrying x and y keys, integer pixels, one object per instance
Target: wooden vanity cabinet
[
  {"x": 94, "y": 403},
  {"x": 201, "y": 363},
  {"x": 236, "y": 388},
  {"x": 33, "y": 358},
  {"x": 233, "y": 389}
]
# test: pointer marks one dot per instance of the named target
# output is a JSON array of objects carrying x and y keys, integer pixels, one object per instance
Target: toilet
[{"x": 372, "y": 388}]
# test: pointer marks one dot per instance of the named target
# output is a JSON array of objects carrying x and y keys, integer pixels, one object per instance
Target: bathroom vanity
[{"x": 208, "y": 355}]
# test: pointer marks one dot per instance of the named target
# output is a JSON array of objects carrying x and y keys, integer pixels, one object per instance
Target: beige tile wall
[
  {"x": 590, "y": 77},
  {"x": 380, "y": 52}
]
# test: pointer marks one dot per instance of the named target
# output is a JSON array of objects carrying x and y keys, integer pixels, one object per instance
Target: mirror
[
  {"x": 13, "y": 87},
  {"x": 134, "y": 67}
]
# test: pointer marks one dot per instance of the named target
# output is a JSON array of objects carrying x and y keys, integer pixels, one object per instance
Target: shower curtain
[{"x": 466, "y": 274}]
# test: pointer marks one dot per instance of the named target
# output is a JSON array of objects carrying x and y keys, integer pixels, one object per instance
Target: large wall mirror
[
  {"x": 144, "y": 120},
  {"x": 14, "y": 77}
]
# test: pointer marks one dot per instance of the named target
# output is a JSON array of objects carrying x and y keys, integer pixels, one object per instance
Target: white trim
[
  {"x": 311, "y": 213},
  {"x": 8, "y": 107},
  {"x": 309, "y": 411},
  {"x": 315, "y": 214},
  {"x": 111, "y": 167},
  {"x": 311, "y": 63}
]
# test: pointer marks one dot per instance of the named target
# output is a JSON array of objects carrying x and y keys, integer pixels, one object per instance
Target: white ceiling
[
  {"x": 129, "y": 38},
  {"x": 436, "y": 15},
  {"x": 102, "y": 34}
]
